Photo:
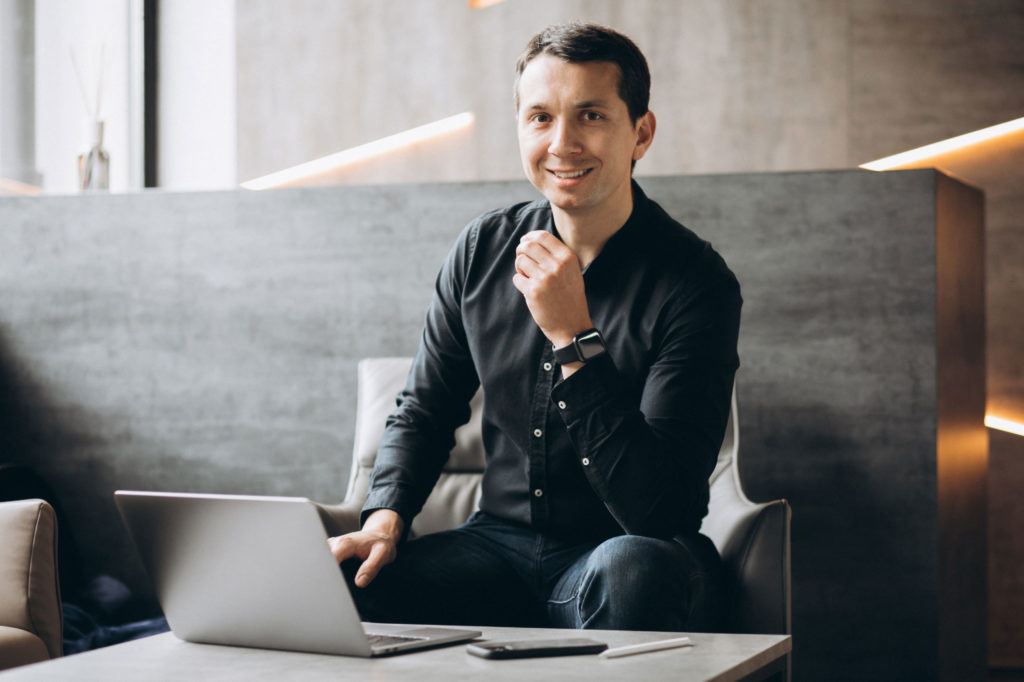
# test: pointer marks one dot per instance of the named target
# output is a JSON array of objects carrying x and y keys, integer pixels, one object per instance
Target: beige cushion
[{"x": 29, "y": 590}]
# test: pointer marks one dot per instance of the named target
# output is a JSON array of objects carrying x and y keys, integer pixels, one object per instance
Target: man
[{"x": 604, "y": 336}]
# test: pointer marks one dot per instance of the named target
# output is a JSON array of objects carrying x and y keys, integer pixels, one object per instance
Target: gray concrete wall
[
  {"x": 738, "y": 85},
  {"x": 208, "y": 342}
]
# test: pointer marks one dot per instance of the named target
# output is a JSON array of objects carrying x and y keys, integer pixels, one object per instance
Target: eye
[
  {"x": 592, "y": 116},
  {"x": 540, "y": 118}
]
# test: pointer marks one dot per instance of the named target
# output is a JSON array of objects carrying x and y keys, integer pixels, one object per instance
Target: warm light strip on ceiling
[
  {"x": 1004, "y": 425},
  {"x": 362, "y": 152},
  {"x": 952, "y": 144},
  {"x": 15, "y": 187}
]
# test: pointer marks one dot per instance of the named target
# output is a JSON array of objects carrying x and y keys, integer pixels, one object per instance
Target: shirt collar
[{"x": 625, "y": 236}]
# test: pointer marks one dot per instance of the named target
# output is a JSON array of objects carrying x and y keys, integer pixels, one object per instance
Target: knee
[
  {"x": 634, "y": 583},
  {"x": 634, "y": 567},
  {"x": 639, "y": 583}
]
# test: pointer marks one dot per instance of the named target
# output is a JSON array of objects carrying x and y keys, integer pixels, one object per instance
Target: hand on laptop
[{"x": 376, "y": 544}]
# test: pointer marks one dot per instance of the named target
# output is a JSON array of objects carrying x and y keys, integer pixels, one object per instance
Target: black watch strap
[{"x": 585, "y": 346}]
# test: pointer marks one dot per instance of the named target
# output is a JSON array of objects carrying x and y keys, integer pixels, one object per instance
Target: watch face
[{"x": 590, "y": 345}]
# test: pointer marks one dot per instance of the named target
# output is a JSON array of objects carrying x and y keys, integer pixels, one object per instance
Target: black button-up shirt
[{"x": 624, "y": 445}]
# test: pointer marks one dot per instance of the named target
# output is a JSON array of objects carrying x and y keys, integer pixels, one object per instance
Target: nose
[{"x": 564, "y": 139}]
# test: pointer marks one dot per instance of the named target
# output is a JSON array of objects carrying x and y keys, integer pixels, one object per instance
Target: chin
[{"x": 568, "y": 207}]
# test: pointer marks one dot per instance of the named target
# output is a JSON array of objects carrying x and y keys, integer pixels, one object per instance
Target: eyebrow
[{"x": 586, "y": 104}]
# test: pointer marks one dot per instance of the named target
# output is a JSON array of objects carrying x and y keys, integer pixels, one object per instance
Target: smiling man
[{"x": 603, "y": 334}]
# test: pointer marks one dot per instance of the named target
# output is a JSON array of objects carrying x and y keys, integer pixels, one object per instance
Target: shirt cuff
[
  {"x": 388, "y": 497},
  {"x": 587, "y": 388}
]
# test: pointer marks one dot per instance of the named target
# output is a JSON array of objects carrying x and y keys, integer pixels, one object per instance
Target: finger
[
  {"x": 341, "y": 547},
  {"x": 548, "y": 242},
  {"x": 535, "y": 252},
  {"x": 520, "y": 282},
  {"x": 380, "y": 554},
  {"x": 528, "y": 267},
  {"x": 541, "y": 236},
  {"x": 350, "y": 545},
  {"x": 534, "y": 249},
  {"x": 551, "y": 255},
  {"x": 526, "y": 286},
  {"x": 534, "y": 258}
]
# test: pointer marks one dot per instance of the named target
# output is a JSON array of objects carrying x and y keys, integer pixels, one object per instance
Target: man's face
[{"x": 576, "y": 140}]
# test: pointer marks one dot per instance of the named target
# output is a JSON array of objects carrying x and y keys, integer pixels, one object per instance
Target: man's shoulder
[
  {"x": 515, "y": 215},
  {"x": 687, "y": 255},
  {"x": 496, "y": 228},
  {"x": 670, "y": 234}
]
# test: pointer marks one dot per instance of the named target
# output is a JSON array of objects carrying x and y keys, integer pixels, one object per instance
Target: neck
[{"x": 586, "y": 234}]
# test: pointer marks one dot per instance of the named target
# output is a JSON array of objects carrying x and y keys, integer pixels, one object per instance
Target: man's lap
[
  {"x": 458, "y": 576},
  {"x": 492, "y": 572}
]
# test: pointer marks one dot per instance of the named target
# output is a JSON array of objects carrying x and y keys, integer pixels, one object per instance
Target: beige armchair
[
  {"x": 457, "y": 491},
  {"x": 753, "y": 539},
  {"x": 30, "y": 606}
]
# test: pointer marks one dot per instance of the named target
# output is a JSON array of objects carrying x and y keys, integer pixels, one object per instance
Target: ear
[{"x": 645, "y": 126}]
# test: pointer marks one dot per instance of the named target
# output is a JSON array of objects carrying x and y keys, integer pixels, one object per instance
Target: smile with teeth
[{"x": 568, "y": 175}]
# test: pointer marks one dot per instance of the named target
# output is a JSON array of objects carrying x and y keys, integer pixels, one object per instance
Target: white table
[{"x": 717, "y": 657}]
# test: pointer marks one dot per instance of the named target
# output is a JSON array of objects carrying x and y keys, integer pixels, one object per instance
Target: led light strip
[
  {"x": 15, "y": 187},
  {"x": 1004, "y": 425},
  {"x": 952, "y": 144},
  {"x": 362, "y": 152}
]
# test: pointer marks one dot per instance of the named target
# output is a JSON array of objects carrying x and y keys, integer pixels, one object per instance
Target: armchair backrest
[
  {"x": 753, "y": 539},
  {"x": 457, "y": 492}
]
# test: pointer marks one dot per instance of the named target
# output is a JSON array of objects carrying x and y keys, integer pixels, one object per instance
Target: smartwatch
[{"x": 585, "y": 346}]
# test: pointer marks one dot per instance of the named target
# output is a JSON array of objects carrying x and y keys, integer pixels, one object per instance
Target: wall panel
[{"x": 208, "y": 342}]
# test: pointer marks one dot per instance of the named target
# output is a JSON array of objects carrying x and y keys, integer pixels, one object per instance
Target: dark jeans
[{"x": 492, "y": 572}]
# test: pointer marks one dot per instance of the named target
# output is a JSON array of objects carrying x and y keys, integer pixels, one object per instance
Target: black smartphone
[{"x": 529, "y": 648}]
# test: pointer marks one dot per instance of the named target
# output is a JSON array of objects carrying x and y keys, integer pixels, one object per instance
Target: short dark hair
[{"x": 578, "y": 42}]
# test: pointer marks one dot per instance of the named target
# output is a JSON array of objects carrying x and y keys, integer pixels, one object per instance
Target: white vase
[{"x": 94, "y": 163}]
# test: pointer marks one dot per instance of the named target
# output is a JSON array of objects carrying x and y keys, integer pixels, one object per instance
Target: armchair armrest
[
  {"x": 30, "y": 605},
  {"x": 340, "y": 518}
]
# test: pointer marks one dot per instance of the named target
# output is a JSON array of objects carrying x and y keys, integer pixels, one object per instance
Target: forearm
[{"x": 651, "y": 471}]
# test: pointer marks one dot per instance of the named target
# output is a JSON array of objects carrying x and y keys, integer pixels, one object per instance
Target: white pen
[{"x": 644, "y": 648}]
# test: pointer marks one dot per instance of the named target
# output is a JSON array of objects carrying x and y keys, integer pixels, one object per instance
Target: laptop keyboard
[{"x": 384, "y": 640}]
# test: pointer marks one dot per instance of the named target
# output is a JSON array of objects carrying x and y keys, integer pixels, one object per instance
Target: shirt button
[
  {"x": 561, "y": 404},
  {"x": 538, "y": 492},
  {"x": 548, "y": 366},
  {"x": 537, "y": 433},
  {"x": 586, "y": 461}
]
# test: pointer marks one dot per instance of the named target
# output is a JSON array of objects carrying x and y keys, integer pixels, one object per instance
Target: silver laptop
[{"x": 256, "y": 572}]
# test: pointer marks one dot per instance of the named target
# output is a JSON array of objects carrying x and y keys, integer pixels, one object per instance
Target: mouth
[{"x": 570, "y": 175}]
